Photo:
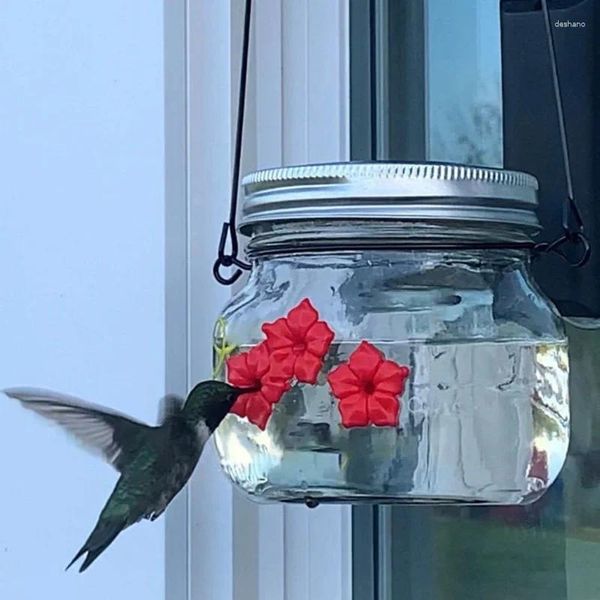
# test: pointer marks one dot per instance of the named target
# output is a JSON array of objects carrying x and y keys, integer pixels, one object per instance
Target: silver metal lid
[{"x": 430, "y": 192}]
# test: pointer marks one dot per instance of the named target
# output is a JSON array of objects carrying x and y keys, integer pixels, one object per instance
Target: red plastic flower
[
  {"x": 254, "y": 369},
  {"x": 368, "y": 387},
  {"x": 298, "y": 342}
]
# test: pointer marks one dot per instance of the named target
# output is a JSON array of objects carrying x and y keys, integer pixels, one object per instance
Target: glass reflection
[{"x": 548, "y": 550}]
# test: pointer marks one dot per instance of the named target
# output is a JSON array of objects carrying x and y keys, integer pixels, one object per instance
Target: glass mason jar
[{"x": 402, "y": 350}]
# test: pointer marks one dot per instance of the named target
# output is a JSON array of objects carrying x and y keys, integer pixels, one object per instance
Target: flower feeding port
[
  {"x": 401, "y": 350},
  {"x": 367, "y": 387}
]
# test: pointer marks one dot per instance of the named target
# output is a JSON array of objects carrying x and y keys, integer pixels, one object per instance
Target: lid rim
[
  {"x": 389, "y": 169},
  {"x": 400, "y": 191}
]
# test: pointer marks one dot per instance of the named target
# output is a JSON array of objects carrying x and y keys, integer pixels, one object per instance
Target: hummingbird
[{"x": 154, "y": 462}]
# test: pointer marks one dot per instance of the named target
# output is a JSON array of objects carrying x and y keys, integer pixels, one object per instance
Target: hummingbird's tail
[{"x": 100, "y": 539}]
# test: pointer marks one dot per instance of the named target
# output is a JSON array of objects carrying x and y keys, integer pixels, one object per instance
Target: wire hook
[{"x": 229, "y": 228}]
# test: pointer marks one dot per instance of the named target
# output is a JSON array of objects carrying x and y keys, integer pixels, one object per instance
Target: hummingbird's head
[{"x": 210, "y": 401}]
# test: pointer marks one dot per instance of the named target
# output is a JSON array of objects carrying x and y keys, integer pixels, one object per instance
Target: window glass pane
[
  {"x": 433, "y": 90},
  {"x": 464, "y": 95},
  {"x": 548, "y": 550}
]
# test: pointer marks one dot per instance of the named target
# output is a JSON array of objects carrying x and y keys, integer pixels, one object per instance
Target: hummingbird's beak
[{"x": 248, "y": 390}]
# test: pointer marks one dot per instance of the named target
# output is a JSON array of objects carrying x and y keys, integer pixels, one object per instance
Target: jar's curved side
[
  {"x": 227, "y": 340},
  {"x": 520, "y": 300}
]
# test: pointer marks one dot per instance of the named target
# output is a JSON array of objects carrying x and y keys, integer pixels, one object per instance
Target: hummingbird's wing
[
  {"x": 113, "y": 435},
  {"x": 170, "y": 405}
]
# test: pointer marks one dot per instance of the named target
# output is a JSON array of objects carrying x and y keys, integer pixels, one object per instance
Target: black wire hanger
[
  {"x": 572, "y": 221},
  {"x": 228, "y": 230}
]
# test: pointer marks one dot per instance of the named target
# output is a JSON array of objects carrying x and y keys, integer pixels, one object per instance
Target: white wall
[{"x": 82, "y": 277}]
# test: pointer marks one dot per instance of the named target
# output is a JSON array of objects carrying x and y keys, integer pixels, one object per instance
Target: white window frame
[{"x": 219, "y": 545}]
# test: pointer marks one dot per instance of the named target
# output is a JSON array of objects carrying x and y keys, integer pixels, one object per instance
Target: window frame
[{"x": 218, "y": 544}]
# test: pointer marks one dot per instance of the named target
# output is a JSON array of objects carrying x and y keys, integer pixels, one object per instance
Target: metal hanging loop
[
  {"x": 572, "y": 221},
  {"x": 225, "y": 260},
  {"x": 557, "y": 246}
]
